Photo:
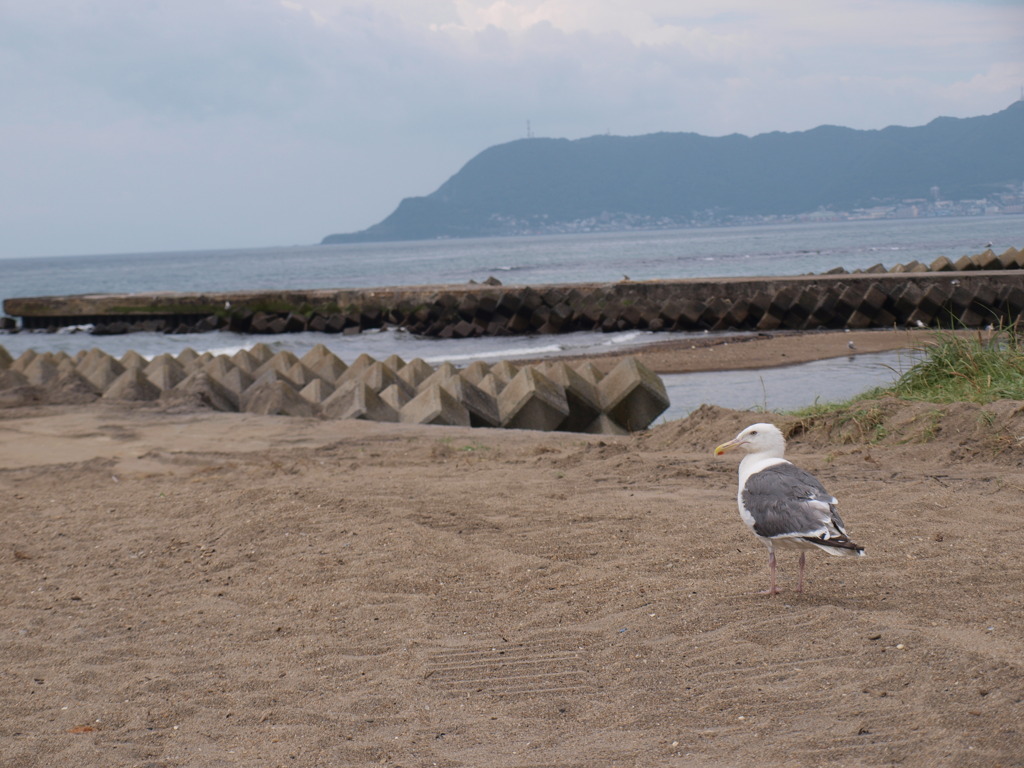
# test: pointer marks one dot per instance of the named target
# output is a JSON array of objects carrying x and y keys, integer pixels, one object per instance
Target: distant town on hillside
[
  {"x": 949, "y": 167},
  {"x": 1010, "y": 201}
]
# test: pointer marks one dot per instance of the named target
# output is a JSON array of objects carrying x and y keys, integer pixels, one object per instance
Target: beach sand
[
  {"x": 191, "y": 588},
  {"x": 748, "y": 351}
]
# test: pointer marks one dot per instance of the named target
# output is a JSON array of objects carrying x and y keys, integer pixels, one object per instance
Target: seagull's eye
[{"x": 753, "y": 433}]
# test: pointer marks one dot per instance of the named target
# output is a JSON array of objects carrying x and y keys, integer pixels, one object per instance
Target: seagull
[
  {"x": 851, "y": 345},
  {"x": 783, "y": 505}
]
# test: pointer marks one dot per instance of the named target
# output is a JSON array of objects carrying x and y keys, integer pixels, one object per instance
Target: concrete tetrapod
[
  {"x": 435, "y": 405},
  {"x": 632, "y": 395},
  {"x": 356, "y": 400},
  {"x": 532, "y": 401},
  {"x": 551, "y": 396}
]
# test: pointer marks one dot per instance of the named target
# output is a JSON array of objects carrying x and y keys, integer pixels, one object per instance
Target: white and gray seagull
[{"x": 785, "y": 506}]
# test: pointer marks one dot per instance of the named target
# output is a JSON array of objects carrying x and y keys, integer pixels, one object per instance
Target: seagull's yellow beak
[{"x": 734, "y": 443}]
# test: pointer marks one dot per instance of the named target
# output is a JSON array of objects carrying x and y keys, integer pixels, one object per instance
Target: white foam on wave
[
  {"x": 626, "y": 337},
  {"x": 85, "y": 328},
  {"x": 378, "y": 343},
  {"x": 496, "y": 354},
  {"x": 229, "y": 351}
]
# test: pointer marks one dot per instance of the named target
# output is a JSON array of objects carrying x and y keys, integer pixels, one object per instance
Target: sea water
[
  {"x": 751, "y": 251},
  {"x": 765, "y": 250}
]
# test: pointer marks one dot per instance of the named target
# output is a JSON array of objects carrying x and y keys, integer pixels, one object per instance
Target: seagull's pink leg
[
  {"x": 772, "y": 590},
  {"x": 800, "y": 581}
]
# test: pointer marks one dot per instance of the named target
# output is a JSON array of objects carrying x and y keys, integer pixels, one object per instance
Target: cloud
[
  {"x": 176, "y": 59},
  {"x": 396, "y": 62},
  {"x": 179, "y": 123}
]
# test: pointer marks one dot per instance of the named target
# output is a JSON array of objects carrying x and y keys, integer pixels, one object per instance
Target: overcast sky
[{"x": 159, "y": 125}]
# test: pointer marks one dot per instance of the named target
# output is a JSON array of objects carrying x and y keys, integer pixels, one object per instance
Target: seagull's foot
[{"x": 770, "y": 592}]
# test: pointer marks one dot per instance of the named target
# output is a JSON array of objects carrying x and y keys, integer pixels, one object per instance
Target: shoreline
[
  {"x": 748, "y": 351},
  {"x": 698, "y": 354}
]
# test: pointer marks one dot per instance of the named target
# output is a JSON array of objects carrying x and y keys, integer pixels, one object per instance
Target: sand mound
[
  {"x": 950, "y": 432},
  {"x": 954, "y": 431},
  {"x": 703, "y": 429}
]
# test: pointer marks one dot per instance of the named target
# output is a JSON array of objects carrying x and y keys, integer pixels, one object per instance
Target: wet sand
[{"x": 748, "y": 351}]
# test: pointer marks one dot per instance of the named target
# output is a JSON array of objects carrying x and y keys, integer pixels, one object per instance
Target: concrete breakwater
[
  {"x": 550, "y": 396},
  {"x": 971, "y": 292}
]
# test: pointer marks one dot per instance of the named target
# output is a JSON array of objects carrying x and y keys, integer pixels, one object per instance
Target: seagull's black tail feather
[{"x": 836, "y": 545}]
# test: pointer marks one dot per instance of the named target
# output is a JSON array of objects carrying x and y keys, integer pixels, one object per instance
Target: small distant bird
[
  {"x": 785, "y": 506},
  {"x": 920, "y": 324},
  {"x": 851, "y": 345}
]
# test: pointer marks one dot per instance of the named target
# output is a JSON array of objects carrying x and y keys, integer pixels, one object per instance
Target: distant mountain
[{"x": 675, "y": 179}]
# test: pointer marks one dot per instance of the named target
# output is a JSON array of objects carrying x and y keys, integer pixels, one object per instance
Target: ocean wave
[
  {"x": 496, "y": 354},
  {"x": 625, "y": 337},
  {"x": 84, "y": 328}
]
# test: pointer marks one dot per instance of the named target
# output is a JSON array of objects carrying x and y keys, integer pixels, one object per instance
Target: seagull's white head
[{"x": 765, "y": 439}]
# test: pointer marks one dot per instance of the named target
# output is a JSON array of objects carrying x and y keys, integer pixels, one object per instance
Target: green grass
[
  {"x": 954, "y": 367},
  {"x": 962, "y": 368},
  {"x": 826, "y": 409}
]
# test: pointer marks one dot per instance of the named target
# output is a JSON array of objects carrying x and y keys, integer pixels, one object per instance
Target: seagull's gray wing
[{"x": 785, "y": 500}]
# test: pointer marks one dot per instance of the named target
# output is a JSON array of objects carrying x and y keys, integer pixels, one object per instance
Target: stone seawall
[{"x": 867, "y": 300}]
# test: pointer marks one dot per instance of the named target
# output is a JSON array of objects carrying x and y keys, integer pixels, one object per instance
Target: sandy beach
[
  {"x": 191, "y": 588},
  {"x": 765, "y": 350}
]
